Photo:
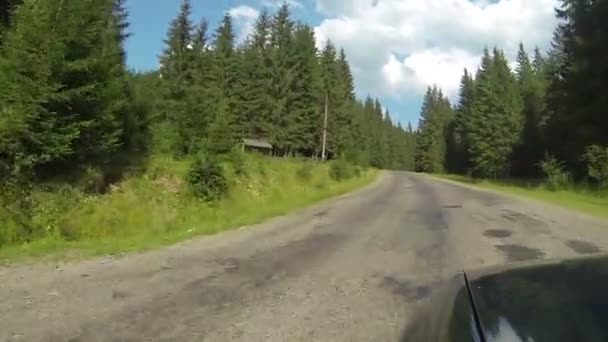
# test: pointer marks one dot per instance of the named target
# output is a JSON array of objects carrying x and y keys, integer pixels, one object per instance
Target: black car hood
[{"x": 564, "y": 301}]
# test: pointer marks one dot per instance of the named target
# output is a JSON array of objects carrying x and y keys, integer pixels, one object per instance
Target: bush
[
  {"x": 357, "y": 170},
  {"x": 206, "y": 179},
  {"x": 304, "y": 173},
  {"x": 557, "y": 177},
  {"x": 597, "y": 164},
  {"x": 340, "y": 170},
  {"x": 237, "y": 159},
  {"x": 92, "y": 180}
]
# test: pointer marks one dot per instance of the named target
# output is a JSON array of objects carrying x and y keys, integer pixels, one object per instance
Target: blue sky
[{"x": 396, "y": 47}]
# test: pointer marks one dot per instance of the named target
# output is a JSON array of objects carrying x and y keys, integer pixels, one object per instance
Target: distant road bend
[{"x": 349, "y": 269}]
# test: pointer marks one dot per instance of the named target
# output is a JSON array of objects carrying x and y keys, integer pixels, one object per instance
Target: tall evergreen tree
[
  {"x": 254, "y": 106},
  {"x": 435, "y": 119},
  {"x": 176, "y": 68},
  {"x": 306, "y": 88},
  {"x": 458, "y": 145},
  {"x": 68, "y": 101},
  {"x": 496, "y": 121},
  {"x": 223, "y": 132},
  {"x": 284, "y": 61},
  {"x": 31, "y": 132},
  {"x": 194, "y": 125},
  {"x": 7, "y": 7},
  {"x": 329, "y": 95},
  {"x": 529, "y": 152},
  {"x": 578, "y": 103},
  {"x": 345, "y": 88}
]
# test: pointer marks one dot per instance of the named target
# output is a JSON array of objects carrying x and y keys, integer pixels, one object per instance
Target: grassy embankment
[
  {"x": 580, "y": 198},
  {"x": 155, "y": 208}
]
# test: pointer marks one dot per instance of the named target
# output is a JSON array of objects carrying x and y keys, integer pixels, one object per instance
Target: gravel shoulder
[{"x": 349, "y": 269}]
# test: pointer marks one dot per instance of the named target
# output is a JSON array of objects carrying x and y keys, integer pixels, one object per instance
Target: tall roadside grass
[
  {"x": 157, "y": 208},
  {"x": 579, "y": 197}
]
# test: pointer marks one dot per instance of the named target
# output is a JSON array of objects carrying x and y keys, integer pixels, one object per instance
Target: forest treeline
[
  {"x": 69, "y": 104},
  {"x": 547, "y": 118},
  {"x": 274, "y": 86}
]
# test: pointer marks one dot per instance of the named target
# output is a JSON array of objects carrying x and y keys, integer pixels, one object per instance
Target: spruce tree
[
  {"x": 194, "y": 126},
  {"x": 459, "y": 145},
  {"x": 344, "y": 131},
  {"x": 7, "y": 8},
  {"x": 284, "y": 62},
  {"x": 496, "y": 119},
  {"x": 176, "y": 70},
  {"x": 427, "y": 157},
  {"x": 254, "y": 103},
  {"x": 32, "y": 132},
  {"x": 579, "y": 103},
  {"x": 529, "y": 152},
  {"x": 307, "y": 89},
  {"x": 329, "y": 79}
]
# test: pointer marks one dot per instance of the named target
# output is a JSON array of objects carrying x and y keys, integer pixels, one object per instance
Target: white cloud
[
  {"x": 244, "y": 19},
  {"x": 276, "y": 3},
  {"x": 397, "y": 47}
]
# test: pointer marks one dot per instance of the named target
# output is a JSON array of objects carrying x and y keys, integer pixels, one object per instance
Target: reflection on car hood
[{"x": 567, "y": 301}]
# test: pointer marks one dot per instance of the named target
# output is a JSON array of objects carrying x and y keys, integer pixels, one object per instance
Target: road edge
[{"x": 578, "y": 213}]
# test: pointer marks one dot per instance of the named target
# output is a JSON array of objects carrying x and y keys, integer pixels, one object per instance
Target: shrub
[
  {"x": 206, "y": 179},
  {"x": 597, "y": 163},
  {"x": 557, "y": 177},
  {"x": 357, "y": 170},
  {"x": 340, "y": 170},
  {"x": 92, "y": 180},
  {"x": 237, "y": 159},
  {"x": 304, "y": 173}
]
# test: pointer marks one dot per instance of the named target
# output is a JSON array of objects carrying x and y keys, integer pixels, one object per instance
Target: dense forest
[
  {"x": 274, "y": 86},
  {"x": 69, "y": 104},
  {"x": 547, "y": 118},
  {"x": 90, "y": 148}
]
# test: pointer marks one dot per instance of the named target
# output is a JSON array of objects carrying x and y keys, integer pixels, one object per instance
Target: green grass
[
  {"x": 155, "y": 209},
  {"x": 592, "y": 202}
]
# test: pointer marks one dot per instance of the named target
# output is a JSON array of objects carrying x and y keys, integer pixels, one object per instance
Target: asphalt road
[{"x": 350, "y": 269}]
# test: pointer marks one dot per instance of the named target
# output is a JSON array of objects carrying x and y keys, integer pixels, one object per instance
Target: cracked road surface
[{"x": 349, "y": 269}]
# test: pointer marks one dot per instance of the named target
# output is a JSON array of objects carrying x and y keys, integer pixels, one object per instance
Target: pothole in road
[
  {"x": 322, "y": 213},
  {"x": 406, "y": 289},
  {"x": 520, "y": 253},
  {"x": 452, "y": 207},
  {"x": 522, "y": 219},
  {"x": 582, "y": 247},
  {"x": 498, "y": 233}
]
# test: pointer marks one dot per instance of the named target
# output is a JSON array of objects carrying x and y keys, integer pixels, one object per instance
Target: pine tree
[
  {"x": 578, "y": 102},
  {"x": 225, "y": 59},
  {"x": 427, "y": 150},
  {"x": 284, "y": 62},
  {"x": 7, "y": 7},
  {"x": 79, "y": 110},
  {"x": 176, "y": 60},
  {"x": 496, "y": 121},
  {"x": 31, "y": 132},
  {"x": 458, "y": 153},
  {"x": 435, "y": 122},
  {"x": 306, "y": 88},
  {"x": 133, "y": 118},
  {"x": 225, "y": 76},
  {"x": 329, "y": 79},
  {"x": 344, "y": 122},
  {"x": 176, "y": 65},
  {"x": 254, "y": 103},
  {"x": 529, "y": 151},
  {"x": 194, "y": 126},
  {"x": 539, "y": 63}
]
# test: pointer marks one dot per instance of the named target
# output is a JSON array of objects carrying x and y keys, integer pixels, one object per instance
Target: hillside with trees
[
  {"x": 547, "y": 118},
  {"x": 76, "y": 125}
]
